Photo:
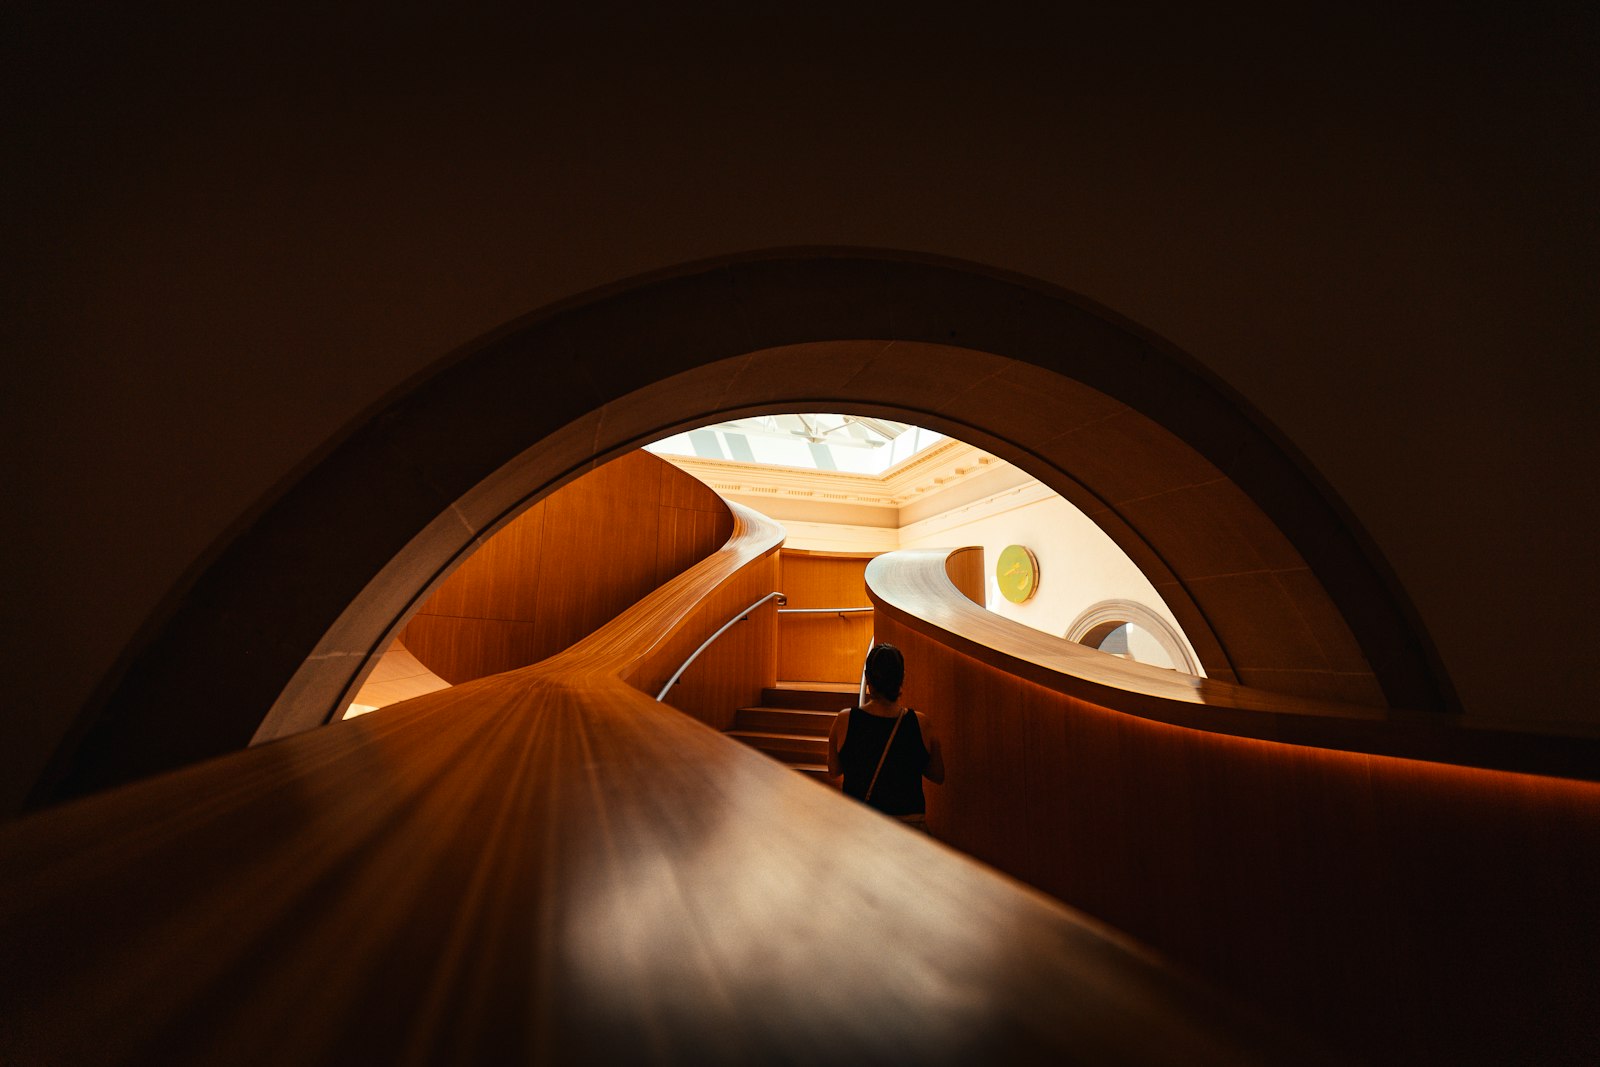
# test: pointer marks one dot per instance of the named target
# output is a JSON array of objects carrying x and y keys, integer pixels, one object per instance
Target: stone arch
[
  {"x": 1097, "y": 621},
  {"x": 1271, "y": 580}
]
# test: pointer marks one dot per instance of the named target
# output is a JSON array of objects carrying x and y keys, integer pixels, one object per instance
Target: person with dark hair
[{"x": 884, "y": 751}]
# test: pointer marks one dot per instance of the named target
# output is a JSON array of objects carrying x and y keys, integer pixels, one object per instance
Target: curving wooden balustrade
[
  {"x": 548, "y": 865},
  {"x": 1401, "y": 910}
]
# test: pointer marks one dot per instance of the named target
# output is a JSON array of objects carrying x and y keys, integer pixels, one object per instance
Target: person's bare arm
[
  {"x": 836, "y": 732},
  {"x": 934, "y": 771}
]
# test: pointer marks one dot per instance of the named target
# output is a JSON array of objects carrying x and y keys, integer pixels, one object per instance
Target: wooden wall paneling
[
  {"x": 823, "y": 648},
  {"x": 736, "y": 670},
  {"x": 683, "y": 534},
  {"x": 498, "y": 581},
  {"x": 825, "y": 579},
  {"x": 473, "y": 648},
  {"x": 512, "y": 588},
  {"x": 600, "y": 546},
  {"x": 1403, "y": 911},
  {"x": 969, "y": 572},
  {"x": 1045, "y": 831},
  {"x": 689, "y": 493},
  {"x": 567, "y": 565},
  {"x": 930, "y": 687},
  {"x": 743, "y": 661},
  {"x": 1099, "y": 804},
  {"x": 674, "y": 649},
  {"x": 953, "y": 701},
  {"x": 996, "y": 766},
  {"x": 500, "y": 577}
]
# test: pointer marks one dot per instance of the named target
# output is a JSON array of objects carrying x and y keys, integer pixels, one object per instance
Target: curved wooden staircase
[{"x": 549, "y": 866}]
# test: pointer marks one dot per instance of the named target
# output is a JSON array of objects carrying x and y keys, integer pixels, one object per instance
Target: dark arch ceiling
[{"x": 1272, "y": 580}]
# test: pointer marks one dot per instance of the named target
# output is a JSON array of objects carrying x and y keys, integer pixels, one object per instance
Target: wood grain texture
[
  {"x": 571, "y": 562},
  {"x": 731, "y": 673},
  {"x": 547, "y": 865},
  {"x": 1403, "y": 911},
  {"x": 966, "y": 570},
  {"x": 823, "y": 648}
]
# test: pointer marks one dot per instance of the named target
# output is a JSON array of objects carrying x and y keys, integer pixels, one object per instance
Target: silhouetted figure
[{"x": 883, "y": 750}]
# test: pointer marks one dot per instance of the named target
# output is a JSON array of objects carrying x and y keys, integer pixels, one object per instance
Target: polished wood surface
[
  {"x": 1403, "y": 911},
  {"x": 548, "y": 865},
  {"x": 566, "y": 565},
  {"x": 741, "y": 663},
  {"x": 823, "y": 647},
  {"x": 966, "y": 569}
]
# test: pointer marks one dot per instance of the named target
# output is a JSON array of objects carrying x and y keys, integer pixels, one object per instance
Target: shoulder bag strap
[{"x": 883, "y": 757}]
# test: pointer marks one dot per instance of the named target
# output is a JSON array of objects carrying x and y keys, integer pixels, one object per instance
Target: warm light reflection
[{"x": 756, "y": 907}]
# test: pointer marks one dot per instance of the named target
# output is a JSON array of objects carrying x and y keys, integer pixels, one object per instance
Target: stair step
[
  {"x": 792, "y": 723},
  {"x": 810, "y": 696},
  {"x": 784, "y": 720},
  {"x": 791, "y": 748}
]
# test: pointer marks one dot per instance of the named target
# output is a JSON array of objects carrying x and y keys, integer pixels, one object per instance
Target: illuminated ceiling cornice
[{"x": 929, "y": 471}]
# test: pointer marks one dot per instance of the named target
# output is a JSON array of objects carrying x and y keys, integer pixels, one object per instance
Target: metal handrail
[
  {"x": 821, "y": 611},
  {"x": 740, "y": 617}
]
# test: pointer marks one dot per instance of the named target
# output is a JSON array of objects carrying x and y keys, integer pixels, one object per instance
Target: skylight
[{"x": 852, "y": 444}]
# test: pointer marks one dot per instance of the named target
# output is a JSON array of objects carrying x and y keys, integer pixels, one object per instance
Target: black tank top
[{"x": 899, "y": 788}]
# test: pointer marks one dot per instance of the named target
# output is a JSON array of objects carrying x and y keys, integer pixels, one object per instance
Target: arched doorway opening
[
  {"x": 1270, "y": 579},
  {"x": 1110, "y": 619}
]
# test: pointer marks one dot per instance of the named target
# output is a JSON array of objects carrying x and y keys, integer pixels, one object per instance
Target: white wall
[
  {"x": 826, "y": 537},
  {"x": 1078, "y": 564},
  {"x": 992, "y": 504}
]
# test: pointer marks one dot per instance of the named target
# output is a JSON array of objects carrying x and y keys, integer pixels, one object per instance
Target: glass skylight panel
[
  {"x": 707, "y": 444},
  {"x": 853, "y": 444}
]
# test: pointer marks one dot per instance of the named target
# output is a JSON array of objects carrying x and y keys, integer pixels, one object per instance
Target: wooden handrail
[
  {"x": 549, "y": 865},
  {"x": 914, "y": 588}
]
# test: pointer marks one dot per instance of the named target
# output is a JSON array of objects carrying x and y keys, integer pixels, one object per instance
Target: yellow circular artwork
[{"x": 1017, "y": 573}]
